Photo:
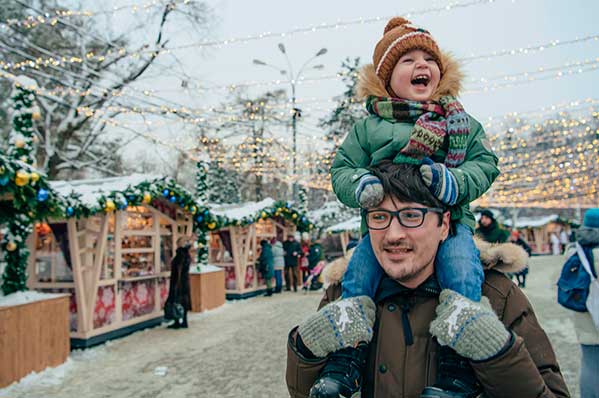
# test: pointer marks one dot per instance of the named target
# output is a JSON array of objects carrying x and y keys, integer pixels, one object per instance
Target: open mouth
[
  {"x": 421, "y": 80},
  {"x": 400, "y": 250}
]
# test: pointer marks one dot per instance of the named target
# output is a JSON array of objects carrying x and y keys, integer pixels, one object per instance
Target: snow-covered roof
[
  {"x": 353, "y": 224},
  {"x": 531, "y": 222},
  {"x": 91, "y": 190},
  {"x": 241, "y": 210},
  {"x": 327, "y": 209}
]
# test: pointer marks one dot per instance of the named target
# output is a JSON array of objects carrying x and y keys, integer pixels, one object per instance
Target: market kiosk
[{"x": 112, "y": 254}]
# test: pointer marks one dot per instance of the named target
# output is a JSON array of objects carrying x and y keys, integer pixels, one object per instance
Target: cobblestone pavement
[{"x": 238, "y": 350}]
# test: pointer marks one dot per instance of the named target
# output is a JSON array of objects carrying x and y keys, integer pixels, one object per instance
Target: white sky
[{"x": 474, "y": 30}]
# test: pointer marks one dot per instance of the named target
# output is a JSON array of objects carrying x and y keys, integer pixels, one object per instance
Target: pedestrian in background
[
  {"x": 279, "y": 263},
  {"x": 293, "y": 252},
  {"x": 266, "y": 264},
  {"x": 179, "y": 292}
]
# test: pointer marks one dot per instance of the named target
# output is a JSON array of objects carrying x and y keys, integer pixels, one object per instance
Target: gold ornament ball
[
  {"x": 263, "y": 215},
  {"x": 36, "y": 116},
  {"x": 11, "y": 246},
  {"x": 294, "y": 216},
  {"x": 35, "y": 177},
  {"x": 19, "y": 144},
  {"x": 147, "y": 198},
  {"x": 22, "y": 178},
  {"x": 110, "y": 206},
  {"x": 212, "y": 225}
]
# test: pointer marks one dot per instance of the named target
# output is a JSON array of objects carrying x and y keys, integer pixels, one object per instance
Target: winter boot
[
  {"x": 455, "y": 377},
  {"x": 268, "y": 293},
  {"x": 341, "y": 376}
]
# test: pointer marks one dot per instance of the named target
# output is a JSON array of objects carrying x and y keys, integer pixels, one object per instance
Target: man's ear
[{"x": 445, "y": 223}]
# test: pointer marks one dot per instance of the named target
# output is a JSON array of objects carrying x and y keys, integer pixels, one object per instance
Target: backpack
[{"x": 574, "y": 281}]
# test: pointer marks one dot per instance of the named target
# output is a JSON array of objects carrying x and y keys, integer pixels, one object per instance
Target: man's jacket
[{"x": 395, "y": 368}]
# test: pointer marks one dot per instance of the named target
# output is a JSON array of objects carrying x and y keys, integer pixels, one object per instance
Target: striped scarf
[{"x": 432, "y": 122}]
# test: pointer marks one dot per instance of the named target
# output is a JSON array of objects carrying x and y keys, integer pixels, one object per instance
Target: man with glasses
[{"x": 392, "y": 343}]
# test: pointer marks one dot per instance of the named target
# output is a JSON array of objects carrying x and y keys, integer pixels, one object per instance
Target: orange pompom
[{"x": 395, "y": 22}]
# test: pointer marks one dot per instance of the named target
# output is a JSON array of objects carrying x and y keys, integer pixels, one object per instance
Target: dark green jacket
[{"x": 374, "y": 139}]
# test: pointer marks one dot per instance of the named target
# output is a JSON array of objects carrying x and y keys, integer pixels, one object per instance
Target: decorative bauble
[
  {"x": 211, "y": 225},
  {"x": 11, "y": 246},
  {"x": 172, "y": 199},
  {"x": 147, "y": 198},
  {"x": 70, "y": 211},
  {"x": 4, "y": 180},
  {"x": 263, "y": 215},
  {"x": 42, "y": 195},
  {"x": 36, "y": 116},
  {"x": 165, "y": 192},
  {"x": 110, "y": 206},
  {"x": 2, "y": 169},
  {"x": 123, "y": 204},
  {"x": 19, "y": 144},
  {"x": 35, "y": 177},
  {"x": 22, "y": 178},
  {"x": 199, "y": 218},
  {"x": 294, "y": 216}
]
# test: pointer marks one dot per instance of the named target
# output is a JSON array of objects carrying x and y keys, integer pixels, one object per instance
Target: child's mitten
[
  {"x": 440, "y": 181},
  {"x": 369, "y": 192}
]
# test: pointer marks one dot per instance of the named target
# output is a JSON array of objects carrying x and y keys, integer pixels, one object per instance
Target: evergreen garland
[
  {"x": 303, "y": 199},
  {"x": 22, "y": 139}
]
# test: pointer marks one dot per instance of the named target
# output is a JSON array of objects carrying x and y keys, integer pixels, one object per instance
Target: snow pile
[
  {"x": 91, "y": 190},
  {"x": 202, "y": 269},
  {"x": 242, "y": 210},
  {"x": 19, "y": 298}
]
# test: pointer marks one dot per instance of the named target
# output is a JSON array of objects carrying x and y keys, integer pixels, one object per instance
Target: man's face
[
  {"x": 485, "y": 221},
  {"x": 408, "y": 254}
]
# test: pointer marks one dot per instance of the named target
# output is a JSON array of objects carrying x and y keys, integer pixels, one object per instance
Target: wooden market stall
[
  {"x": 343, "y": 230},
  {"x": 234, "y": 245},
  {"x": 112, "y": 254},
  {"x": 536, "y": 231}
]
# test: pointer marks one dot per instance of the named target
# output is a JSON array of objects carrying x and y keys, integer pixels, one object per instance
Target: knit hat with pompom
[{"x": 399, "y": 37}]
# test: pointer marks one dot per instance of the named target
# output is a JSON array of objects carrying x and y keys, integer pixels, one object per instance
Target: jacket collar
[{"x": 389, "y": 288}]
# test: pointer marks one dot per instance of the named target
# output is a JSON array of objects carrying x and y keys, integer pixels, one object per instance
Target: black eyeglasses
[{"x": 409, "y": 217}]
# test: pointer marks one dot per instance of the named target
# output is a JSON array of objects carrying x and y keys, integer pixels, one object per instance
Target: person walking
[
  {"x": 266, "y": 264},
  {"x": 587, "y": 333},
  {"x": 489, "y": 229},
  {"x": 279, "y": 263},
  {"x": 293, "y": 252},
  {"x": 179, "y": 291},
  {"x": 556, "y": 248},
  {"x": 520, "y": 276}
]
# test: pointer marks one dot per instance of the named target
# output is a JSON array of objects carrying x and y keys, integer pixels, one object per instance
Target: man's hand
[
  {"x": 472, "y": 329},
  {"x": 440, "y": 181},
  {"x": 369, "y": 192},
  {"x": 340, "y": 324}
]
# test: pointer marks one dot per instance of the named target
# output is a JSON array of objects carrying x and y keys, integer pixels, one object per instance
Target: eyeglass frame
[{"x": 396, "y": 213}]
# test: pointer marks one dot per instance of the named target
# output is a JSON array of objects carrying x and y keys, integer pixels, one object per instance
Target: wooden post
[
  {"x": 98, "y": 258},
  {"x": 82, "y": 315}
]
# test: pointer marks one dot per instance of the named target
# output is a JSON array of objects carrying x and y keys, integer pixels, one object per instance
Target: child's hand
[
  {"x": 439, "y": 181},
  {"x": 369, "y": 192}
]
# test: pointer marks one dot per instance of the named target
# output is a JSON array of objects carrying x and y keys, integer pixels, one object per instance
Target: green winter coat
[{"x": 374, "y": 139}]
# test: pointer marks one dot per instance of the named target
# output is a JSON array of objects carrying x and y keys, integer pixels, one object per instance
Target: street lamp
[{"x": 293, "y": 79}]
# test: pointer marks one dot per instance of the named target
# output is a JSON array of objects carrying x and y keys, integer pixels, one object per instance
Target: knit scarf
[{"x": 432, "y": 122}]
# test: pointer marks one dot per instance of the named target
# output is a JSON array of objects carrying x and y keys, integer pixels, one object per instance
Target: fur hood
[
  {"x": 450, "y": 84},
  {"x": 503, "y": 257}
]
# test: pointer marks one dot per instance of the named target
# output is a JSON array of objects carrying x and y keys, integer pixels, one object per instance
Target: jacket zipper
[{"x": 407, "y": 329}]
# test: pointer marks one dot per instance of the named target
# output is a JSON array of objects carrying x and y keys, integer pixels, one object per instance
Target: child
[{"x": 415, "y": 118}]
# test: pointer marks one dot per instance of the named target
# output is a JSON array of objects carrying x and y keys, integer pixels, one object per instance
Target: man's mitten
[
  {"x": 440, "y": 181},
  {"x": 472, "y": 329},
  {"x": 369, "y": 192},
  {"x": 340, "y": 324}
]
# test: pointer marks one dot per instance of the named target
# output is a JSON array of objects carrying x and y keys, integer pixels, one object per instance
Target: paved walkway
[{"x": 238, "y": 351}]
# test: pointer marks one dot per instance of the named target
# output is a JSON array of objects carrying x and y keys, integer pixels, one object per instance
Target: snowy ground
[{"x": 239, "y": 351}]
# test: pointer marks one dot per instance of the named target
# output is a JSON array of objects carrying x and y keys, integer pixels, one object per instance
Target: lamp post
[{"x": 293, "y": 79}]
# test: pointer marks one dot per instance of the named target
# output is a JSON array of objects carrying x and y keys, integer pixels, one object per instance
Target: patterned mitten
[
  {"x": 439, "y": 181},
  {"x": 472, "y": 329},
  {"x": 369, "y": 192},
  {"x": 340, "y": 324}
]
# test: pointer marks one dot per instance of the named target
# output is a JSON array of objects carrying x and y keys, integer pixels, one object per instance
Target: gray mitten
[
  {"x": 472, "y": 329},
  {"x": 369, "y": 192},
  {"x": 340, "y": 324}
]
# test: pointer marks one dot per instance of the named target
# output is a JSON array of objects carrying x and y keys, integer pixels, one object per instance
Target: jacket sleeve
[
  {"x": 528, "y": 368},
  {"x": 302, "y": 372},
  {"x": 349, "y": 164},
  {"x": 479, "y": 170}
]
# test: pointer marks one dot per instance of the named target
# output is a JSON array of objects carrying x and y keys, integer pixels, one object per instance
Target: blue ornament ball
[
  {"x": 206, "y": 212},
  {"x": 172, "y": 199},
  {"x": 4, "y": 180},
  {"x": 199, "y": 218},
  {"x": 42, "y": 195},
  {"x": 70, "y": 211},
  {"x": 165, "y": 192}
]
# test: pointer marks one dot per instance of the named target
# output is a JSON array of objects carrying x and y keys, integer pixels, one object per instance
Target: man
[
  {"x": 490, "y": 230},
  {"x": 293, "y": 252},
  {"x": 411, "y": 320}
]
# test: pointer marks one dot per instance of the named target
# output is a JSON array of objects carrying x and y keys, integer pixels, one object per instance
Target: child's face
[{"x": 415, "y": 76}]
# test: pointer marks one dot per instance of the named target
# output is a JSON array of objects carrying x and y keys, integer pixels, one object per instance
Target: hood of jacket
[
  {"x": 503, "y": 257},
  {"x": 450, "y": 83},
  {"x": 588, "y": 236}
]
